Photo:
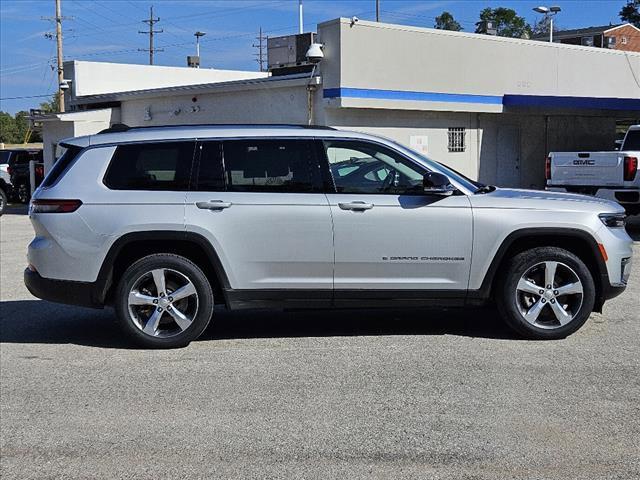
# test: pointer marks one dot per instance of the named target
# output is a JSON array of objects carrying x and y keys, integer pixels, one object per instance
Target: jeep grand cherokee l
[{"x": 164, "y": 223}]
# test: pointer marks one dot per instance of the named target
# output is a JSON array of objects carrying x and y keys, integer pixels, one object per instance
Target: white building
[{"x": 488, "y": 106}]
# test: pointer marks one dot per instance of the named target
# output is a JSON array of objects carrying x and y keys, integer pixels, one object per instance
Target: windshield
[
  {"x": 4, "y": 157},
  {"x": 458, "y": 177},
  {"x": 632, "y": 141}
]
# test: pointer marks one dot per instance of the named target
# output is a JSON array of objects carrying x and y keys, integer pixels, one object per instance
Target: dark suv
[{"x": 18, "y": 170}]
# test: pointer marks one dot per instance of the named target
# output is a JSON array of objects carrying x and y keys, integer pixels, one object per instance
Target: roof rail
[
  {"x": 115, "y": 128},
  {"x": 121, "y": 127}
]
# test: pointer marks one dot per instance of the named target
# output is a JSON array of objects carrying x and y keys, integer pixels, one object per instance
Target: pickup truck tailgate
[{"x": 586, "y": 169}]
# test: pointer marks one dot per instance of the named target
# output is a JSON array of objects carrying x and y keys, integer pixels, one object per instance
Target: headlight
[{"x": 613, "y": 220}]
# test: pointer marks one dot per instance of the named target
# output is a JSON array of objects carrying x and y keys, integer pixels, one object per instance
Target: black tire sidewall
[
  {"x": 182, "y": 265},
  {"x": 518, "y": 266},
  {"x": 3, "y": 201}
]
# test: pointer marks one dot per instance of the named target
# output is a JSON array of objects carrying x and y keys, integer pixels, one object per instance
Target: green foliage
[
  {"x": 445, "y": 21},
  {"x": 53, "y": 105},
  {"x": 13, "y": 129},
  {"x": 631, "y": 12},
  {"x": 507, "y": 22}
]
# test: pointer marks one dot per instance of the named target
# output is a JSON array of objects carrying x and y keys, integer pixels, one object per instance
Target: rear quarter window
[
  {"x": 61, "y": 165},
  {"x": 151, "y": 166}
]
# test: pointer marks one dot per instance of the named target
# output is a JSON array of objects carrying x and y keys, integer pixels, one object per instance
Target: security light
[{"x": 541, "y": 9}]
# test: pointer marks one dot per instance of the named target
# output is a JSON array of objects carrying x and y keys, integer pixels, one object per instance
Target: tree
[
  {"x": 445, "y": 21},
  {"x": 543, "y": 25},
  {"x": 631, "y": 12},
  {"x": 53, "y": 105},
  {"x": 507, "y": 22}
]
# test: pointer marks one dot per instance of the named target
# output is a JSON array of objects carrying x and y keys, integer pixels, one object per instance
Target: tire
[
  {"x": 535, "y": 311},
  {"x": 175, "y": 322},
  {"x": 3, "y": 201}
]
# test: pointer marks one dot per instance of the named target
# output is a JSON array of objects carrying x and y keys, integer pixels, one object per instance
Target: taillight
[
  {"x": 547, "y": 169},
  {"x": 9, "y": 170},
  {"x": 55, "y": 206},
  {"x": 39, "y": 170},
  {"x": 630, "y": 168}
]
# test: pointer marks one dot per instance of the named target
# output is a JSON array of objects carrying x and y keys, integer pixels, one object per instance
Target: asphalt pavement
[{"x": 361, "y": 394}]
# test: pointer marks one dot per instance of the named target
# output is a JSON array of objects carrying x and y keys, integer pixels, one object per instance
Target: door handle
[
  {"x": 358, "y": 206},
  {"x": 213, "y": 205}
]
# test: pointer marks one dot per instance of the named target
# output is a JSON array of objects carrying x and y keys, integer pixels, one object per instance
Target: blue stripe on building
[
  {"x": 509, "y": 100},
  {"x": 596, "y": 103},
  {"x": 415, "y": 96}
]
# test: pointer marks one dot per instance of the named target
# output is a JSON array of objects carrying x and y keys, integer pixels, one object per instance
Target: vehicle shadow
[
  {"x": 38, "y": 321},
  {"x": 633, "y": 227},
  {"x": 16, "y": 209}
]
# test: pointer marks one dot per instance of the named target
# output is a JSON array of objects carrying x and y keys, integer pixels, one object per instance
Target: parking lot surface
[{"x": 361, "y": 394}]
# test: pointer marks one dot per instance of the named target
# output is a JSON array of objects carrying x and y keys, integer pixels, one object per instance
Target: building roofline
[
  {"x": 215, "y": 87},
  {"x": 475, "y": 36}
]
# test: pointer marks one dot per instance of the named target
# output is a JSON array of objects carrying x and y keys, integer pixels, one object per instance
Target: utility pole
[
  {"x": 60, "y": 58},
  {"x": 58, "y": 18},
  {"x": 377, "y": 10},
  {"x": 151, "y": 22},
  {"x": 261, "y": 51}
]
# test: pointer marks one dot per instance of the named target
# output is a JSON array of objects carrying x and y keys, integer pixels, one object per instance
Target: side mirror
[{"x": 435, "y": 183}]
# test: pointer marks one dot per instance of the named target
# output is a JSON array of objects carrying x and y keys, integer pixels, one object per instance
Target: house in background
[{"x": 616, "y": 37}]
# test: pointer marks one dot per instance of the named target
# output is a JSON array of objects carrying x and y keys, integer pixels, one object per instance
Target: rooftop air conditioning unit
[{"x": 287, "y": 54}]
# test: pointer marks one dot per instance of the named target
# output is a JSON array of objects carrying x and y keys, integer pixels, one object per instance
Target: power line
[
  {"x": 28, "y": 96},
  {"x": 151, "y": 21}
]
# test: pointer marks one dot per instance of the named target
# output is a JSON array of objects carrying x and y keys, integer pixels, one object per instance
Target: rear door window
[
  {"x": 274, "y": 165},
  {"x": 151, "y": 166},
  {"x": 210, "y": 174}
]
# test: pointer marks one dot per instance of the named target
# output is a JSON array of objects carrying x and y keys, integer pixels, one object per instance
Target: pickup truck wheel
[
  {"x": 547, "y": 293},
  {"x": 3, "y": 201},
  {"x": 164, "y": 301}
]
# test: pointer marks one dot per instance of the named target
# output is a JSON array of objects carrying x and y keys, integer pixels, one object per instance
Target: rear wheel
[
  {"x": 164, "y": 301},
  {"x": 548, "y": 293}
]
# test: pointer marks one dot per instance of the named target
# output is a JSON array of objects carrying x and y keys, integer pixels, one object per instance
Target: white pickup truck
[{"x": 611, "y": 175}]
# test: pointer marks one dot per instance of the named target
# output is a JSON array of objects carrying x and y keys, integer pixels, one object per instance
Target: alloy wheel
[
  {"x": 549, "y": 295},
  {"x": 163, "y": 302}
]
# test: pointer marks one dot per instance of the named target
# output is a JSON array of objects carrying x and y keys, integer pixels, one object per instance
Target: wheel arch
[
  {"x": 576, "y": 241},
  {"x": 133, "y": 246}
]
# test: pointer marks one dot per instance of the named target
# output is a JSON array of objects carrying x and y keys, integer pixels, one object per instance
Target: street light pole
[
  {"x": 549, "y": 13},
  {"x": 198, "y": 34}
]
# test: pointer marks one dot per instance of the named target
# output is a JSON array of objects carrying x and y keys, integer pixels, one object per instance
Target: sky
[{"x": 107, "y": 30}]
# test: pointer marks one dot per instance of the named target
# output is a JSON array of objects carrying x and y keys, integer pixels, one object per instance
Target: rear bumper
[{"x": 61, "y": 291}]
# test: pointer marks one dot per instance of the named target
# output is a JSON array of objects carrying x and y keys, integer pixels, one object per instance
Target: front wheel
[
  {"x": 164, "y": 301},
  {"x": 547, "y": 293}
]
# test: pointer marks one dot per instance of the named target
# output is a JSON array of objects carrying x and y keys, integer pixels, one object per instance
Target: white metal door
[{"x": 508, "y": 156}]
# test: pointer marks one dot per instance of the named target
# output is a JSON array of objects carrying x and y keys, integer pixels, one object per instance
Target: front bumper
[{"x": 61, "y": 291}]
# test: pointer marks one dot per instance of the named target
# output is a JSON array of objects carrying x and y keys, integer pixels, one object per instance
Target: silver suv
[{"x": 166, "y": 223}]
